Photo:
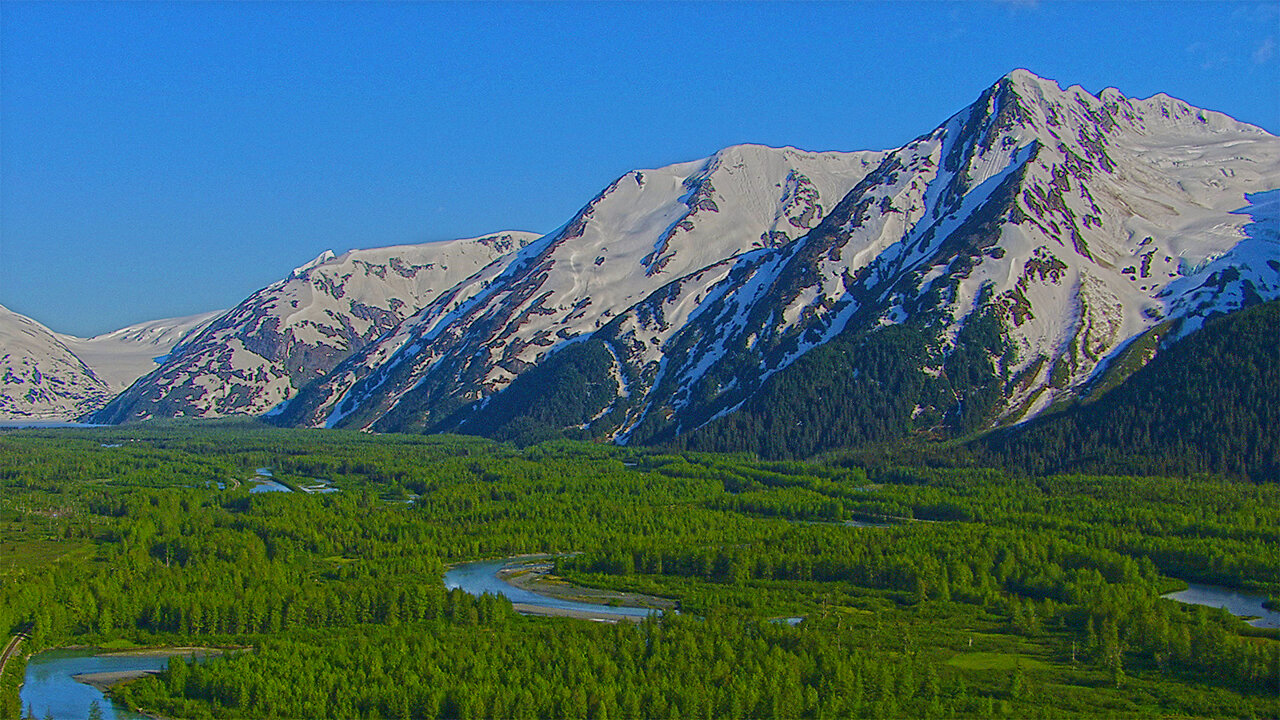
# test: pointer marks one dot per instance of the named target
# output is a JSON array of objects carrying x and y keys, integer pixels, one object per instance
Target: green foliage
[
  {"x": 1206, "y": 404},
  {"x": 973, "y": 593},
  {"x": 847, "y": 392},
  {"x": 548, "y": 401},
  {"x": 860, "y": 390}
]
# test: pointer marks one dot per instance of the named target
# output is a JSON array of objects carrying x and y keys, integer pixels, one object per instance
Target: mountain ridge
[
  {"x": 1014, "y": 258},
  {"x": 46, "y": 375},
  {"x": 1023, "y": 207},
  {"x": 258, "y": 353}
]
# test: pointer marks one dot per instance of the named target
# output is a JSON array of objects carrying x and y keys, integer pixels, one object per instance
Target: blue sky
[{"x": 165, "y": 159}]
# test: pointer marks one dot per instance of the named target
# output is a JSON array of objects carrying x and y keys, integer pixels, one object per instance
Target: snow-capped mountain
[
  {"x": 648, "y": 229},
  {"x": 46, "y": 375},
  {"x": 40, "y": 377},
  {"x": 1055, "y": 225},
  {"x": 122, "y": 356},
  {"x": 258, "y": 353},
  {"x": 1078, "y": 223}
]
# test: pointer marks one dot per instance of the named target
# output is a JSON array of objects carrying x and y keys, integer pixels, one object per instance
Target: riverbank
[
  {"x": 64, "y": 682},
  {"x": 538, "y": 579},
  {"x": 104, "y": 681},
  {"x": 167, "y": 652},
  {"x": 544, "y": 611},
  {"x": 529, "y": 583}
]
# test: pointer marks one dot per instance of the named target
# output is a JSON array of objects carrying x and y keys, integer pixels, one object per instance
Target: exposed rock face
[
  {"x": 1069, "y": 223},
  {"x": 260, "y": 352}
]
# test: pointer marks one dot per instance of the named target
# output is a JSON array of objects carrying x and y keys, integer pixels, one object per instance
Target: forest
[
  {"x": 919, "y": 591},
  {"x": 1204, "y": 404}
]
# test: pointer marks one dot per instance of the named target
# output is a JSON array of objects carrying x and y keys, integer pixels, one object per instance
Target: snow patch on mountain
[{"x": 122, "y": 356}]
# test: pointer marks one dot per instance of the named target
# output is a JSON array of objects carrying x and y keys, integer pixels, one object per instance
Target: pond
[
  {"x": 481, "y": 577},
  {"x": 265, "y": 482},
  {"x": 1240, "y": 604},
  {"x": 263, "y": 486},
  {"x": 50, "y": 688}
]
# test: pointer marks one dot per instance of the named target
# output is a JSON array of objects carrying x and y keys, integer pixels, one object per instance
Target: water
[
  {"x": 478, "y": 578},
  {"x": 266, "y": 484},
  {"x": 1237, "y": 603},
  {"x": 263, "y": 486},
  {"x": 49, "y": 688}
]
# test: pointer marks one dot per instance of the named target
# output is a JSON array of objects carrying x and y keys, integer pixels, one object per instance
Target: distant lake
[
  {"x": 266, "y": 483},
  {"x": 1240, "y": 604}
]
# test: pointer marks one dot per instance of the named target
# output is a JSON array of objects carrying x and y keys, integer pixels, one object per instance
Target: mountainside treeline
[
  {"x": 1206, "y": 404},
  {"x": 865, "y": 389}
]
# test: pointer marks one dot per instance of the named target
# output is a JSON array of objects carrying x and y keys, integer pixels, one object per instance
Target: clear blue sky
[{"x": 164, "y": 159}]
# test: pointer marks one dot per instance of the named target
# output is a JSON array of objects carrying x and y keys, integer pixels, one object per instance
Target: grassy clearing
[
  {"x": 26, "y": 553},
  {"x": 995, "y": 661}
]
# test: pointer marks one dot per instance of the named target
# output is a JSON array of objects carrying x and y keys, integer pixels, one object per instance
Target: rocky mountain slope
[
  {"x": 1015, "y": 252},
  {"x": 45, "y": 375},
  {"x": 646, "y": 231},
  {"x": 40, "y": 377},
  {"x": 260, "y": 352}
]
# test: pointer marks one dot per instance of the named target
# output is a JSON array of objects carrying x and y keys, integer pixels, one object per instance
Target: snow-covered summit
[
  {"x": 647, "y": 229},
  {"x": 122, "y": 356},
  {"x": 47, "y": 375}
]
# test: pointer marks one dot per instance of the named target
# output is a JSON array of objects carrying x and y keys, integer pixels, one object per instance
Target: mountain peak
[
  {"x": 1051, "y": 225},
  {"x": 320, "y": 259},
  {"x": 1023, "y": 76}
]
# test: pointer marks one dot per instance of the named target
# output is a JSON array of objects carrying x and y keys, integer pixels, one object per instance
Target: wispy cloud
[
  {"x": 1265, "y": 51},
  {"x": 1020, "y": 4},
  {"x": 1208, "y": 56}
]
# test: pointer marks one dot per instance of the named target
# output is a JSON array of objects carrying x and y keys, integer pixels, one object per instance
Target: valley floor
[{"x": 1023, "y": 597}]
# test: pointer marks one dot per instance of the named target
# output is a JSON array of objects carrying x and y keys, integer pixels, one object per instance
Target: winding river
[
  {"x": 482, "y": 577},
  {"x": 50, "y": 689}
]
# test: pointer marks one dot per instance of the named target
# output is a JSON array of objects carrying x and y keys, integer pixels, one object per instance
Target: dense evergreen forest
[
  {"x": 1207, "y": 403},
  {"x": 1210, "y": 403},
  {"x": 962, "y": 593}
]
